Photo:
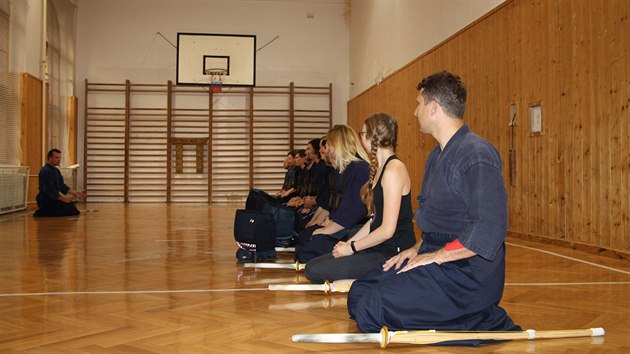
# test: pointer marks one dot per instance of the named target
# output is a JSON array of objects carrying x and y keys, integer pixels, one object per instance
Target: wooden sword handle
[
  {"x": 341, "y": 285},
  {"x": 432, "y": 337}
]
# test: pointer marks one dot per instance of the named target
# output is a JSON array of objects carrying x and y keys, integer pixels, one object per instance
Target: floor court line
[
  {"x": 569, "y": 283},
  {"x": 571, "y": 258},
  {"x": 133, "y": 292},
  {"x": 191, "y": 291}
]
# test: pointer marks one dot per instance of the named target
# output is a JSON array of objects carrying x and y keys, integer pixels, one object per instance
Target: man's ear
[{"x": 433, "y": 107}]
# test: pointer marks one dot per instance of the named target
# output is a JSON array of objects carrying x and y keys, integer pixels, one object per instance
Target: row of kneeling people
[
  {"x": 453, "y": 277},
  {"x": 322, "y": 189}
]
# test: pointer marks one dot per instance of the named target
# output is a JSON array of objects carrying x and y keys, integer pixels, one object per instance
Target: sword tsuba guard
[
  {"x": 384, "y": 337},
  {"x": 327, "y": 287}
]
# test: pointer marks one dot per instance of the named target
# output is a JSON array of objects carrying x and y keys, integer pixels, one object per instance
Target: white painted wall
[
  {"x": 385, "y": 35},
  {"x": 118, "y": 40},
  {"x": 26, "y": 37}
]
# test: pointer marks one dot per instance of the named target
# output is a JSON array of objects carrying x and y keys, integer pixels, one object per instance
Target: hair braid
[{"x": 367, "y": 196}]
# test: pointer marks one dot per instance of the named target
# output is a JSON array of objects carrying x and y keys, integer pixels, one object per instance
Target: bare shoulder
[
  {"x": 396, "y": 166},
  {"x": 396, "y": 172}
]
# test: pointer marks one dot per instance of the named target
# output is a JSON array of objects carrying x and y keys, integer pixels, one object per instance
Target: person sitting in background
[
  {"x": 326, "y": 190},
  {"x": 350, "y": 159},
  {"x": 288, "y": 187},
  {"x": 55, "y": 198},
  {"x": 301, "y": 174},
  {"x": 310, "y": 204}
]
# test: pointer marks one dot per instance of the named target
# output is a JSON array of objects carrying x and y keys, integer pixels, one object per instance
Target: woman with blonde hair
[
  {"x": 348, "y": 157},
  {"x": 387, "y": 195}
]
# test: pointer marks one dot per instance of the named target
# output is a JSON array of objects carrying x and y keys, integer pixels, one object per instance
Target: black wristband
[{"x": 354, "y": 250}]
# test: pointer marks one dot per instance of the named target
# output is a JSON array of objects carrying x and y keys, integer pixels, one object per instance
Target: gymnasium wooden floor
[{"x": 157, "y": 278}]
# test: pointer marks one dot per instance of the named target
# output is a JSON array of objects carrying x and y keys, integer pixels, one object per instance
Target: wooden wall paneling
[
  {"x": 625, "y": 99},
  {"x": 532, "y": 72},
  {"x": 591, "y": 153},
  {"x": 613, "y": 139},
  {"x": 621, "y": 103},
  {"x": 556, "y": 121},
  {"x": 589, "y": 79},
  {"x": 559, "y": 34},
  {"x": 579, "y": 88},
  {"x": 603, "y": 92},
  {"x": 527, "y": 148},
  {"x": 546, "y": 141},
  {"x": 573, "y": 121},
  {"x": 516, "y": 200},
  {"x": 572, "y": 180},
  {"x": 618, "y": 118},
  {"x": 31, "y": 131},
  {"x": 620, "y": 99}
]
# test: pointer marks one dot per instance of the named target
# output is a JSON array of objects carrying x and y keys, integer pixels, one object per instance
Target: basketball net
[{"x": 216, "y": 79}]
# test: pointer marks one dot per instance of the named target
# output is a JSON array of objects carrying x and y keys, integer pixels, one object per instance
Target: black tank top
[{"x": 403, "y": 237}]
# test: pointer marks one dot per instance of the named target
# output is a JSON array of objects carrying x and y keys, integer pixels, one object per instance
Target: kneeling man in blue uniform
[
  {"x": 453, "y": 279},
  {"x": 55, "y": 198}
]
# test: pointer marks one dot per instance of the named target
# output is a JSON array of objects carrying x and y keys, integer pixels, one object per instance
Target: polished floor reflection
[{"x": 158, "y": 278}]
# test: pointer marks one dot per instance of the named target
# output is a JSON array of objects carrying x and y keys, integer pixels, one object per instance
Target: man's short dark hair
[
  {"x": 447, "y": 90},
  {"x": 315, "y": 144},
  {"x": 52, "y": 151},
  {"x": 301, "y": 153}
]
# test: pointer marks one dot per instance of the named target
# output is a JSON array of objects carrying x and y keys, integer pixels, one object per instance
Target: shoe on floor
[
  {"x": 244, "y": 256},
  {"x": 266, "y": 256}
]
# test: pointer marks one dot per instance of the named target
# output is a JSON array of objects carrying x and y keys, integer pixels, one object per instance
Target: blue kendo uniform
[
  {"x": 463, "y": 197},
  {"x": 50, "y": 185}
]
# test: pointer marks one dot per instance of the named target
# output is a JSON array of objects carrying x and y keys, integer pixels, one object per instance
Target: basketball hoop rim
[{"x": 215, "y": 72}]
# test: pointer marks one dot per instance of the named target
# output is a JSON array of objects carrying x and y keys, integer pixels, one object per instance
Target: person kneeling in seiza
[
  {"x": 55, "y": 198},
  {"x": 454, "y": 278}
]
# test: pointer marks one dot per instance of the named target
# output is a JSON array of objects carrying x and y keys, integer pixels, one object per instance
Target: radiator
[{"x": 13, "y": 188}]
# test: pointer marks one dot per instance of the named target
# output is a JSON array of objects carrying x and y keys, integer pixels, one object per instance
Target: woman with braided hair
[{"x": 387, "y": 196}]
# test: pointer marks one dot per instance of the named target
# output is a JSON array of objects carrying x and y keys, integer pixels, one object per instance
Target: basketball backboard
[{"x": 200, "y": 53}]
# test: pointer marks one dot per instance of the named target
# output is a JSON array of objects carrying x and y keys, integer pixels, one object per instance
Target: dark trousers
[
  {"x": 309, "y": 246},
  {"x": 55, "y": 208},
  {"x": 327, "y": 267},
  {"x": 302, "y": 219},
  {"x": 461, "y": 295}
]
